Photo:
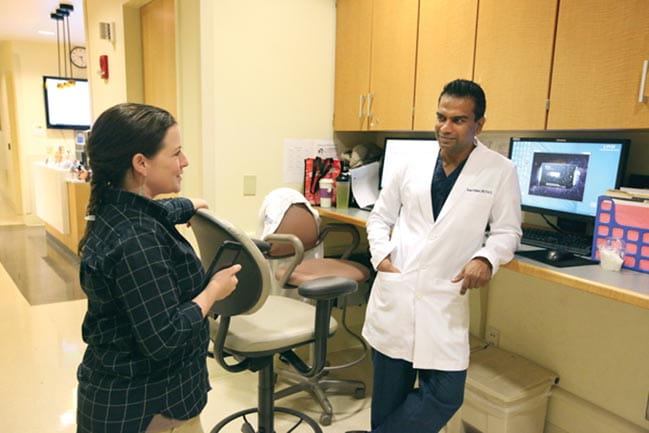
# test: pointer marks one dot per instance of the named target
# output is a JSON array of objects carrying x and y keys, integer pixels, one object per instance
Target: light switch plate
[{"x": 249, "y": 185}]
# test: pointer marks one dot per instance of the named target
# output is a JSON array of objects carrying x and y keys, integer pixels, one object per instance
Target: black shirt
[
  {"x": 147, "y": 341},
  {"x": 442, "y": 185}
]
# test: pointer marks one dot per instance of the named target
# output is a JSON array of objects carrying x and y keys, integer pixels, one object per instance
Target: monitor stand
[{"x": 556, "y": 258}]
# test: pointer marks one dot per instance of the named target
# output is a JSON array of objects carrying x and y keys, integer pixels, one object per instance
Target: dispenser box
[{"x": 629, "y": 221}]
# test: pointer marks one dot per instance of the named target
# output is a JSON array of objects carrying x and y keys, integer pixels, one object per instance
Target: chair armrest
[
  {"x": 342, "y": 228},
  {"x": 264, "y": 247},
  {"x": 296, "y": 259},
  {"x": 327, "y": 288}
]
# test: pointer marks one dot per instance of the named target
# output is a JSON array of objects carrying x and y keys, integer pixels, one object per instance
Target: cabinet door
[
  {"x": 445, "y": 49},
  {"x": 513, "y": 61},
  {"x": 353, "y": 37},
  {"x": 392, "y": 74},
  {"x": 600, "y": 49}
]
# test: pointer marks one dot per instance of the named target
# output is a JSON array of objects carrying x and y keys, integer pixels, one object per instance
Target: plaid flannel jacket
[{"x": 147, "y": 341}]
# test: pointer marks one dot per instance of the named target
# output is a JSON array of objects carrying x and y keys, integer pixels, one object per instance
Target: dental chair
[
  {"x": 302, "y": 228},
  {"x": 249, "y": 327}
]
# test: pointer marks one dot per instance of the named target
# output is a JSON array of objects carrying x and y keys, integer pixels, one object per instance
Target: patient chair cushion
[
  {"x": 280, "y": 323},
  {"x": 318, "y": 268}
]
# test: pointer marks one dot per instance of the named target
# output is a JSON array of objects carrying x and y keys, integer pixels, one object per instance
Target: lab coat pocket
[
  {"x": 391, "y": 288},
  {"x": 444, "y": 297}
]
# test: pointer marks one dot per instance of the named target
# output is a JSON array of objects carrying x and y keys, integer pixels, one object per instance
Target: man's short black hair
[{"x": 467, "y": 89}]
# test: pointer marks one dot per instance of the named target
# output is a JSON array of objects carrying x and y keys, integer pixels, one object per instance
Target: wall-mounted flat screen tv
[{"x": 67, "y": 102}]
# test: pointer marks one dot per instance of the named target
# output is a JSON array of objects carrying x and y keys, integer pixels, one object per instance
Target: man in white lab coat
[{"x": 444, "y": 225}]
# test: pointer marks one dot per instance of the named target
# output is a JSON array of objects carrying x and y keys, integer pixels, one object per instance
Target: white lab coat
[{"x": 418, "y": 315}]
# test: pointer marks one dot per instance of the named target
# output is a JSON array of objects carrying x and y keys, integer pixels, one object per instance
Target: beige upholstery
[{"x": 283, "y": 323}]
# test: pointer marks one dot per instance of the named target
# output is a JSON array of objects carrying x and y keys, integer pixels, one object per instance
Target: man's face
[{"x": 456, "y": 125}]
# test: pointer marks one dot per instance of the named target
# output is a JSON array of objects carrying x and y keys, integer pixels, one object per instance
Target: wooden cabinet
[
  {"x": 375, "y": 64},
  {"x": 583, "y": 60},
  {"x": 445, "y": 50},
  {"x": 513, "y": 61},
  {"x": 600, "y": 50},
  {"x": 353, "y": 39}
]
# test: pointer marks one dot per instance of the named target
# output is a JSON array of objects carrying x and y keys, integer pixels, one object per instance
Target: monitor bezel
[
  {"x": 385, "y": 143},
  {"x": 626, "y": 143},
  {"x": 47, "y": 104}
]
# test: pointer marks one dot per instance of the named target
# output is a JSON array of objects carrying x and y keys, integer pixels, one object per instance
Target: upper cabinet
[
  {"x": 548, "y": 64},
  {"x": 375, "y": 64},
  {"x": 601, "y": 49},
  {"x": 353, "y": 44},
  {"x": 513, "y": 61},
  {"x": 445, "y": 49}
]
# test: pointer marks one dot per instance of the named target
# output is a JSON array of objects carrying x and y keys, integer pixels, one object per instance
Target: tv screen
[
  {"x": 564, "y": 177},
  {"x": 67, "y": 102}
]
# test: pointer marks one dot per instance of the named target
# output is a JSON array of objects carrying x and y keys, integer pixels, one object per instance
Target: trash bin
[{"x": 504, "y": 393}]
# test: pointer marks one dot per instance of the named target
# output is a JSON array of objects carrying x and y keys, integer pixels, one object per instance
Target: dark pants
[{"x": 399, "y": 407}]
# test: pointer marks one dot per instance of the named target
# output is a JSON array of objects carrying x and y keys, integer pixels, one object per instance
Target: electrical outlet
[{"x": 492, "y": 335}]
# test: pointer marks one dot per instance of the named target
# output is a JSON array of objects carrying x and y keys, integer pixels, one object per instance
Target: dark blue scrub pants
[{"x": 399, "y": 407}]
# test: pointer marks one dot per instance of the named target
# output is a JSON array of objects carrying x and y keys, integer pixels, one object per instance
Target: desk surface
[{"x": 626, "y": 286}]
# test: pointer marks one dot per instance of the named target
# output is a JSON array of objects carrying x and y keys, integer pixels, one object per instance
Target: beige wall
[
  {"x": 24, "y": 64},
  {"x": 267, "y": 74},
  {"x": 599, "y": 348}
]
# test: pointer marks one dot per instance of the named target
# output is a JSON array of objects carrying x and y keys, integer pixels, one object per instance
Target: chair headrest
[{"x": 254, "y": 277}]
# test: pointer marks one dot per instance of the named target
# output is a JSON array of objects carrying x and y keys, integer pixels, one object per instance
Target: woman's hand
[
  {"x": 220, "y": 286},
  {"x": 199, "y": 203},
  {"x": 224, "y": 282}
]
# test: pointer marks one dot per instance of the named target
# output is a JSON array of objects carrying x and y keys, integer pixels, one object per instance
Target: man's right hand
[{"x": 387, "y": 266}]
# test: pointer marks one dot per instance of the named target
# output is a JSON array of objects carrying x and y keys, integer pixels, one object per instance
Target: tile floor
[{"x": 41, "y": 346}]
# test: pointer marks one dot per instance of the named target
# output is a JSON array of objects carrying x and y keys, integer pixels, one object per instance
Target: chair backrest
[
  {"x": 254, "y": 277},
  {"x": 299, "y": 221}
]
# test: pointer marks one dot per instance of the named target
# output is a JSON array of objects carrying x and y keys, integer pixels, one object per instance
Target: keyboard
[{"x": 571, "y": 242}]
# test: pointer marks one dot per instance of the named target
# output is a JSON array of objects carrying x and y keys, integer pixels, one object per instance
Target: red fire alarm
[{"x": 103, "y": 66}]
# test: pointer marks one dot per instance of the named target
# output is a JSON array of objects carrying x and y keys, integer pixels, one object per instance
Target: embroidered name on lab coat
[{"x": 480, "y": 191}]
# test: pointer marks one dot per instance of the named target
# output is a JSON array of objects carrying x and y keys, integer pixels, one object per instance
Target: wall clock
[{"x": 78, "y": 57}]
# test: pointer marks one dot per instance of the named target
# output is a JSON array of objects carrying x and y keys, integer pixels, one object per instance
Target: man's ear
[
  {"x": 140, "y": 164},
  {"x": 480, "y": 123}
]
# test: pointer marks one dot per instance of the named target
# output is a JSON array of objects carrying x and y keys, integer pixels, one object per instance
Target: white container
[
  {"x": 504, "y": 393},
  {"x": 326, "y": 191},
  {"x": 611, "y": 253}
]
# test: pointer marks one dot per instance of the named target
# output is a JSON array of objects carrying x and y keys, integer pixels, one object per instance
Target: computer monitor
[
  {"x": 564, "y": 177},
  {"x": 399, "y": 150}
]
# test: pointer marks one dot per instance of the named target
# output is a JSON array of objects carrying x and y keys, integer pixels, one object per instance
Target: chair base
[
  {"x": 316, "y": 386},
  {"x": 247, "y": 428}
]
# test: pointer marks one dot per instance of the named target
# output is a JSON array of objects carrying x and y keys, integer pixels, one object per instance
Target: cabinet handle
[
  {"x": 643, "y": 81},
  {"x": 361, "y": 100},
  {"x": 369, "y": 105}
]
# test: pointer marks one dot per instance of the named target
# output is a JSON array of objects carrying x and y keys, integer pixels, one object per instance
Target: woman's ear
[{"x": 140, "y": 164}]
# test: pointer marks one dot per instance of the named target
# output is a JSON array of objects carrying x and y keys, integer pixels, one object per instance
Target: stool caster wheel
[
  {"x": 325, "y": 419},
  {"x": 359, "y": 393}
]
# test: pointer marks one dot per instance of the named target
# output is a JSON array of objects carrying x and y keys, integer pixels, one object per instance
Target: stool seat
[
  {"x": 284, "y": 322},
  {"x": 312, "y": 269}
]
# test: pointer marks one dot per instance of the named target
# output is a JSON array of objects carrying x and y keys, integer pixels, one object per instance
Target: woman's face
[{"x": 165, "y": 169}]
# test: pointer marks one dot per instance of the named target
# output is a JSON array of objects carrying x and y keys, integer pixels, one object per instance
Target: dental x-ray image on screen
[{"x": 559, "y": 175}]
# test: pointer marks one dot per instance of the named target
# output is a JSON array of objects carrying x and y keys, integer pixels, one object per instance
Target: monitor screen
[
  {"x": 67, "y": 103},
  {"x": 398, "y": 150},
  {"x": 564, "y": 177}
]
